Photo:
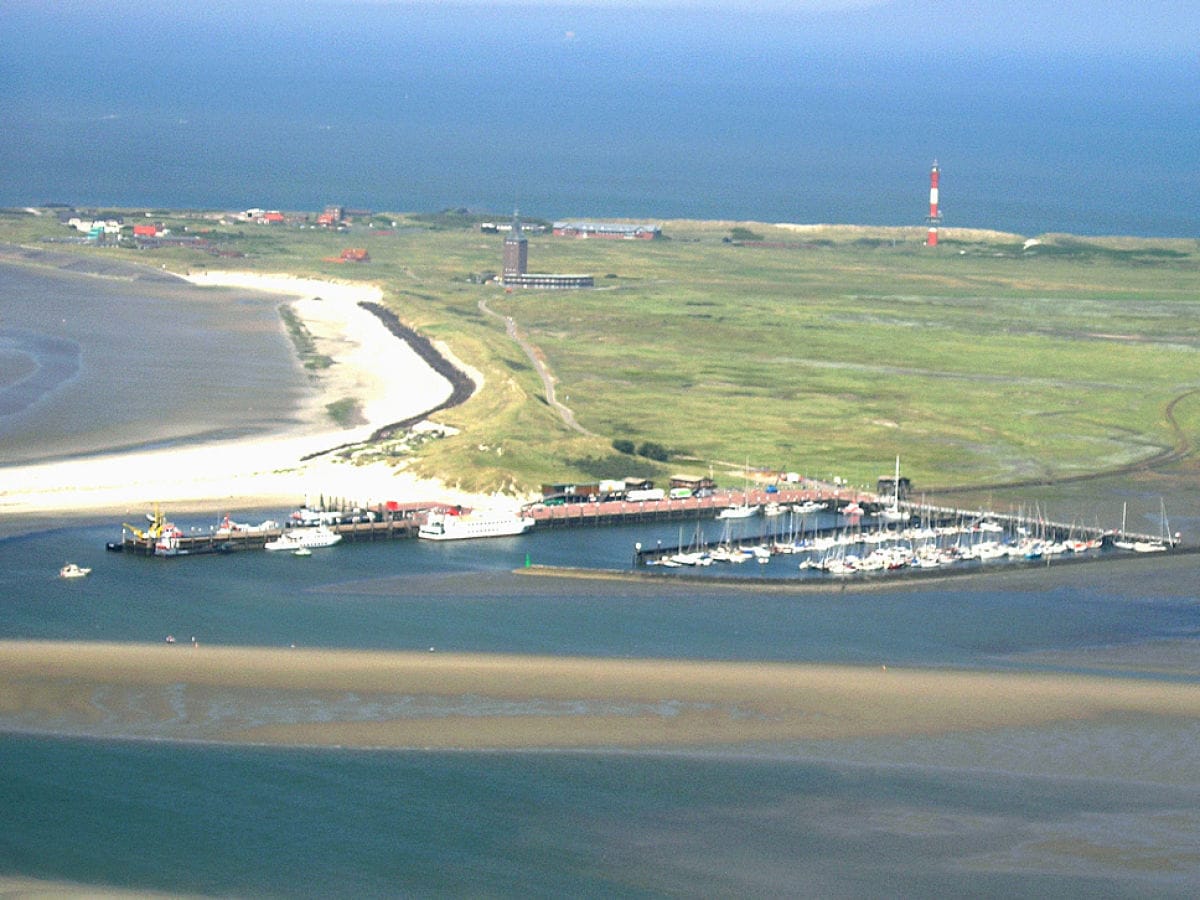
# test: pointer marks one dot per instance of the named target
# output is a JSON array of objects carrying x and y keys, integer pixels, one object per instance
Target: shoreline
[{"x": 279, "y": 469}]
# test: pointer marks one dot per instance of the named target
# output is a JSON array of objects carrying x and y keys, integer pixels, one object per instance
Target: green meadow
[{"x": 827, "y": 351}]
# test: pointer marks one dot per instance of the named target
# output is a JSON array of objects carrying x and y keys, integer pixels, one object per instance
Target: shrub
[{"x": 651, "y": 450}]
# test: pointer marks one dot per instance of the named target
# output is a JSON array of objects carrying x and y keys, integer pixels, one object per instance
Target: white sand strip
[{"x": 371, "y": 365}]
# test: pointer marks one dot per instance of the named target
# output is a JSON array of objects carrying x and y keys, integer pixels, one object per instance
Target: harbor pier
[
  {"x": 794, "y": 520},
  {"x": 171, "y": 541}
]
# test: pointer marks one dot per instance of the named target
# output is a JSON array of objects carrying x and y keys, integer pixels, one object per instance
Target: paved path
[{"x": 539, "y": 366}]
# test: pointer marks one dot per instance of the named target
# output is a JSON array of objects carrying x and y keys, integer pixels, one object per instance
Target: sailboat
[
  {"x": 1120, "y": 541},
  {"x": 745, "y": 510},
  {"x": 1164, "y": 539},
  {"x": 893, "y": 513}
]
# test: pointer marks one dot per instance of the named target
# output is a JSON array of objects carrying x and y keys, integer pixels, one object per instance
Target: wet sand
[
  {"x": 298, "y": 697},
  {"x": 372, "y": 365}
]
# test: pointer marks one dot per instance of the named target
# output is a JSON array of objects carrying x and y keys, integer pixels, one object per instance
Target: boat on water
[
  {"x": 1120, "y": 541},
  {"x": 168, "y": 541},
  {"x": 229, "y": 527},
  {"x": 892, "y": 512},
  {"x": 1148, "y": 547},
  {"x": 301, "y": 551},
  {"x": 304, "y": 538},
  {"x": 455, "y": 524},
  {"x": 852, "y": 509},
  {"x": 745, "y": 511},
  {"x": 1165, "y": 541},
  {"x": 70, "y": 570}
]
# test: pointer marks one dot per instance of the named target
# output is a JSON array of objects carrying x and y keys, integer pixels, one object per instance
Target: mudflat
[{"x": 299, "y": 697}]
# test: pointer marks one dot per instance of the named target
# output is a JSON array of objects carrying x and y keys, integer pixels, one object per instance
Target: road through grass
[{"x": 827, "y": 351}]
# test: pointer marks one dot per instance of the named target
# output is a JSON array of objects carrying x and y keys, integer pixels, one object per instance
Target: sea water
[
  {"x": 1069, "y": 810},
  {"x": 129, "y": 361},
  {"x": 261, "y": 822},
  {"x": 578, "y": 111},
  {"x": 394, "y": 108}
]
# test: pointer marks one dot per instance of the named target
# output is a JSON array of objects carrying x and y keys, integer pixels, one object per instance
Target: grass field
[{"x": 827, "y": 351}]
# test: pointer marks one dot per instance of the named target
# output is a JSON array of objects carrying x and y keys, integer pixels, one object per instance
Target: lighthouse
[{"x": 935, "y": 217}]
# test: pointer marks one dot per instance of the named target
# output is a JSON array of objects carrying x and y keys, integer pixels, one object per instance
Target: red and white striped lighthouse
[{"x": 935, "y": 217}]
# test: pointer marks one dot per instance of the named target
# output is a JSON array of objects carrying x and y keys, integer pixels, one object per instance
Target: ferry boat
[
  {"x": 309, "y": 538},
  {"x": 454, "y": 524},
  {"x": 70, "y": 570}
]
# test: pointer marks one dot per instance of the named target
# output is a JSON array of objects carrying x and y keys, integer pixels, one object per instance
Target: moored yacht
[
  {"x": 308, "y": 538},
  {"x": 745, "y": 511}
]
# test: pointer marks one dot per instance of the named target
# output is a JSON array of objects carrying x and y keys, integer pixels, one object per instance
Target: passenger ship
[{"x": 454, "y": 524}]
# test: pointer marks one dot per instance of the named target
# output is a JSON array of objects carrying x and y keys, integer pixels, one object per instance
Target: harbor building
[
  {"x": 608, "y": 230},
  {"x": 516, "y": 266}
]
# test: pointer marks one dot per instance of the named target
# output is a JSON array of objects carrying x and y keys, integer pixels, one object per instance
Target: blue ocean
[
  {"x": 1074, "y": 809},
  {"x": 577, "y": 111},
  {"x": 580, "y": 111}
]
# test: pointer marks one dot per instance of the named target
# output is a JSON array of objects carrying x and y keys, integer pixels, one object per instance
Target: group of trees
[{"x": 648, "y": 449}]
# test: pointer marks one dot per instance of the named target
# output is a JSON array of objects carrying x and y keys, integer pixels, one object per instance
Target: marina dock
[
  {"x": 853, "y": 517},
  {"x": 927, "y": 536}
]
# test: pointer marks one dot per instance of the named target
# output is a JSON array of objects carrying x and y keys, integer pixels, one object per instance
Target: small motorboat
[
  {"x": 301, "y": 551},
  {"x": 70, "y": 570}
]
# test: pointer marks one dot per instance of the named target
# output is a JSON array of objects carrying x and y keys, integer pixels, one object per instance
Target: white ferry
[
  {"x": 304, "y": 537},
  {"x": 454, "y": 525}
]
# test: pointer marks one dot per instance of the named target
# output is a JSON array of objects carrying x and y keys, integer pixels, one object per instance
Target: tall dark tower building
[{"x": 516, "y": 251}]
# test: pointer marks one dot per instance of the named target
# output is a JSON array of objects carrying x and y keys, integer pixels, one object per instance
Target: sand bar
[
  {"x": 441, "y": 700},
  {"x": 373, "y": 366}
]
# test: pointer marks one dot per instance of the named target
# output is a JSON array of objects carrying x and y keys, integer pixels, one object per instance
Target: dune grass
[{"x": 826, "y": 350}]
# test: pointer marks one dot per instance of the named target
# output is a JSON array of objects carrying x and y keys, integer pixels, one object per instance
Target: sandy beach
[
  {"x": 477, "y": 701},
  {"x": 265, "y": 471}
]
